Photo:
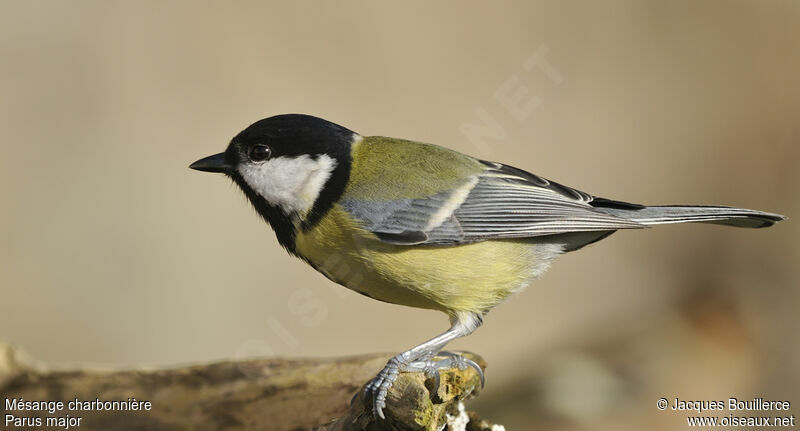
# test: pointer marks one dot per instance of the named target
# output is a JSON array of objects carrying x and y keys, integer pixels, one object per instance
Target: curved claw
[
  {"x": 477, "y": 368},
  {"x": 462, "y": 363},
  {"x": 432, "y": 371},
  {"x": 379, "y": 386},
  {"x": 429, "y": 367}
]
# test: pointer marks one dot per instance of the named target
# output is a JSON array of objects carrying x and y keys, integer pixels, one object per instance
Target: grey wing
[{"x": 500, "y": 202}]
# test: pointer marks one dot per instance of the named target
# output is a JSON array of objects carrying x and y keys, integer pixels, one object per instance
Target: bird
[{"x": 421, "y": 225}]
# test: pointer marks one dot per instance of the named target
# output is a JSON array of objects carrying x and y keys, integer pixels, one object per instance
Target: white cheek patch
[{"x": 290, "y": 183}]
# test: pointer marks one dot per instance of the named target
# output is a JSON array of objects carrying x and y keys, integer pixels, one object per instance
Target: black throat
[{"x": 281, "y": 223}]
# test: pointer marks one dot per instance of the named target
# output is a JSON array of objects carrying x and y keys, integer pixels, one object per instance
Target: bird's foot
[{"x": 379, "y": 386}]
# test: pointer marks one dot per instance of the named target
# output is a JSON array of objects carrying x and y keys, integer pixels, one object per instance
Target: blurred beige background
[{"x": 113, "y": 252}]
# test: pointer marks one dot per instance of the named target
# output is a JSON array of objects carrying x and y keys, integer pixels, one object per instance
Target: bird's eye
[{"x": 259, "y": 153}]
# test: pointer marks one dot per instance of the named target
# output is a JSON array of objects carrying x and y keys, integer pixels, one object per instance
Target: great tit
[{"x": 421, "y": 225}]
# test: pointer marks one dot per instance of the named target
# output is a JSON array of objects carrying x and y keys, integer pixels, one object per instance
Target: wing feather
[{"x": 499, "y": 202}]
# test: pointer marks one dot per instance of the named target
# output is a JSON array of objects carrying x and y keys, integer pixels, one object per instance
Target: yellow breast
[{"x": 471, "y": 277}]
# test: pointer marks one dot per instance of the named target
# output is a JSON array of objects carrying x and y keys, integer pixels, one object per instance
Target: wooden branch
[{"x": 263, "y": 394}]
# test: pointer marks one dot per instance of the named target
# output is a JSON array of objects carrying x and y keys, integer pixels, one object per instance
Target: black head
[{"x": 292, "y": 167}]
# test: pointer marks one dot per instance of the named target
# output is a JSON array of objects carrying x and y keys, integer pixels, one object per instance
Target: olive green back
[{"x": 426, "y": 169}]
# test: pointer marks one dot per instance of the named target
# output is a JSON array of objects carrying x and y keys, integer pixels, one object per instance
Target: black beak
[{"x": 215, "y": 163}]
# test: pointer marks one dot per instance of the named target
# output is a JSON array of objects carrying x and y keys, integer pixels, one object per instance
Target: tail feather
[{"x": 663, "y": 214}]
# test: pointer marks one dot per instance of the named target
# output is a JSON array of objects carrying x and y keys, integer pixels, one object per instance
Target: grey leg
[{"x": 419, "y": 359}]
